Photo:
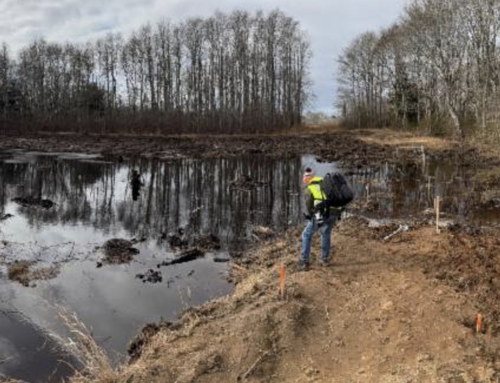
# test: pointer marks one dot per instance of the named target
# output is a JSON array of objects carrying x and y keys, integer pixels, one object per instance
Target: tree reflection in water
[{"x": 194, "y": 194}]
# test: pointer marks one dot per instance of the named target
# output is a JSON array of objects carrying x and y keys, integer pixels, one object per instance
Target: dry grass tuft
[{"x": 95, "y": 363}]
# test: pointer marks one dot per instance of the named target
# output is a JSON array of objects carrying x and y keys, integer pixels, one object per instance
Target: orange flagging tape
[
  {"x": 282, "y": 281},
  {"x": 479, "y": 323}
]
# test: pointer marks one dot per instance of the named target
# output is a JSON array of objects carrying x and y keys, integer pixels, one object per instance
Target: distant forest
[
  {"x": 229, "y": 73},
  {"x": 438, "y": 68}
]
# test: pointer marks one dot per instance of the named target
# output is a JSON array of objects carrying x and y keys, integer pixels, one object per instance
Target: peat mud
[
  {"x": 118, "y": 251},
  {"x": 352, "y": 148}
]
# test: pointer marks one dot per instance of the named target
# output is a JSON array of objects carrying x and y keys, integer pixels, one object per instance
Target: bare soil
[{"x": 401, "y": 310}]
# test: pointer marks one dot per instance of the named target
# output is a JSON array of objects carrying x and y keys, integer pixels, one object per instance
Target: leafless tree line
[
  {"x": 233, "y": 73},
  {"x": 437, "y": 67}
]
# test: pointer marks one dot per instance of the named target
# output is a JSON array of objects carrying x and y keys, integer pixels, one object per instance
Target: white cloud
[{"x": 331, "y": 24}]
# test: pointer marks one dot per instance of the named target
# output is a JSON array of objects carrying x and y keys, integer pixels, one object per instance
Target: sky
[{"x": 330, "y": 24}]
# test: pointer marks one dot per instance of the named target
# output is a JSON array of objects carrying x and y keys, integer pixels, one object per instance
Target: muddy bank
[
  {"x": 352, "y": 320},
  {"x": 354, "y": 148}
]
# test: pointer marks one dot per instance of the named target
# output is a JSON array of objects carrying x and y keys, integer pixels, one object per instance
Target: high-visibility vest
[{"x": 315, "y": 188}]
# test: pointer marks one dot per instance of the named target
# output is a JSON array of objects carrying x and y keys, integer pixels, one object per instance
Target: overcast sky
[{"x": 331, "y": 24}]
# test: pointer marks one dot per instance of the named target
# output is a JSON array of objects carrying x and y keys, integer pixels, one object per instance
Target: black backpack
[{"x": 336, "y": 189}]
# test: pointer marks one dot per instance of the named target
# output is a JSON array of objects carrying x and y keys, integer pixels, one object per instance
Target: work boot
[
  {"x": 303, "y": 265},
  {"x": 324, "y": 262}
]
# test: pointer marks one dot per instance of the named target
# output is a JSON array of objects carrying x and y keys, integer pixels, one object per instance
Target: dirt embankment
[{"x": 401, "y": 310}]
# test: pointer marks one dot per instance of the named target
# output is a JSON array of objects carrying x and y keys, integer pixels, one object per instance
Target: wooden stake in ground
[
  {"x": 282, "y": 281},
  {"x": 437, "y": 202}
]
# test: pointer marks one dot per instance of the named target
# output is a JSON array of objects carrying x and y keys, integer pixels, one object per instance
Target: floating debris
[
  {"x": 187, "y": 256},
  {"x": 207, "y": 242},
  {"x": 221, "y": 260},
  {"x": 23, "y": 272},
  {"x": 177, "y": 241},
  {"x": 246, "y": 182},
  {"x": 151, "y": 276},
  {"x": 119, "y": 251},
  {"x": 4, "y": 217},
  {"x": 34, "y": 202}
]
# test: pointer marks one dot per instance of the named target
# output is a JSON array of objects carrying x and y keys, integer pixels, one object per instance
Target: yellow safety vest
[{"x": 315, "y": 188}]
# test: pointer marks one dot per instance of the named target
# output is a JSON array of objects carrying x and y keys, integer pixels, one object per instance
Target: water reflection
[
  {"x": 168, "y": 195},
  {"x": 136, "y": 184}
]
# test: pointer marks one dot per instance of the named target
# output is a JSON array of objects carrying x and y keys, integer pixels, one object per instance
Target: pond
[{"x": 94, "y": 201}]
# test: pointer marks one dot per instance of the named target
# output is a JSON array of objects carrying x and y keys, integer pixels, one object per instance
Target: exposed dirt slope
[{"x": 375, "y": 315}]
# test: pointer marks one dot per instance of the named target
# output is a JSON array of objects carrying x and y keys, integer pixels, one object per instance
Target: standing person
[{"x": 323, "y": 219}]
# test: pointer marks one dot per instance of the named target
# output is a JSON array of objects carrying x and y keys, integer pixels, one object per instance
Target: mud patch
[
  {"x": 33, "y": 202},
  {"x": 137, "y": 344},
  {"x": 263, "y": 233},
  {"x": 472, "y": 264},
  {"x": 24, "y": 272},
  {"x": 205, "y": 242},
  {"x": 118, "y": 251}
]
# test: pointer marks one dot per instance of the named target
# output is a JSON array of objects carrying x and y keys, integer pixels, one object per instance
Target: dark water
[{"x": 95, "y": 202}]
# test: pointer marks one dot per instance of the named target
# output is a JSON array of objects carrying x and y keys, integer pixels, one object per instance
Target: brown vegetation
[{"x": 25, "y": 273}]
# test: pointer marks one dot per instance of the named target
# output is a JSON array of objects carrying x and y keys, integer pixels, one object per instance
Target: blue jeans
[{"x": 326, "y": 232}]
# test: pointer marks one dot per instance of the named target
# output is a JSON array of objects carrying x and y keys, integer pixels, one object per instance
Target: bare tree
[
  {"x": 438, "y": 64},
  {"x": 234, "y": 73}
]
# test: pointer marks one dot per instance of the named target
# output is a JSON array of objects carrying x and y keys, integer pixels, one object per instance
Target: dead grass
[
  {"x": 397, "y": 139},
  {"x": 24, "y": 273},
  {"x": 20, "y": 271},
  {"x": 94, "y": 364}
]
